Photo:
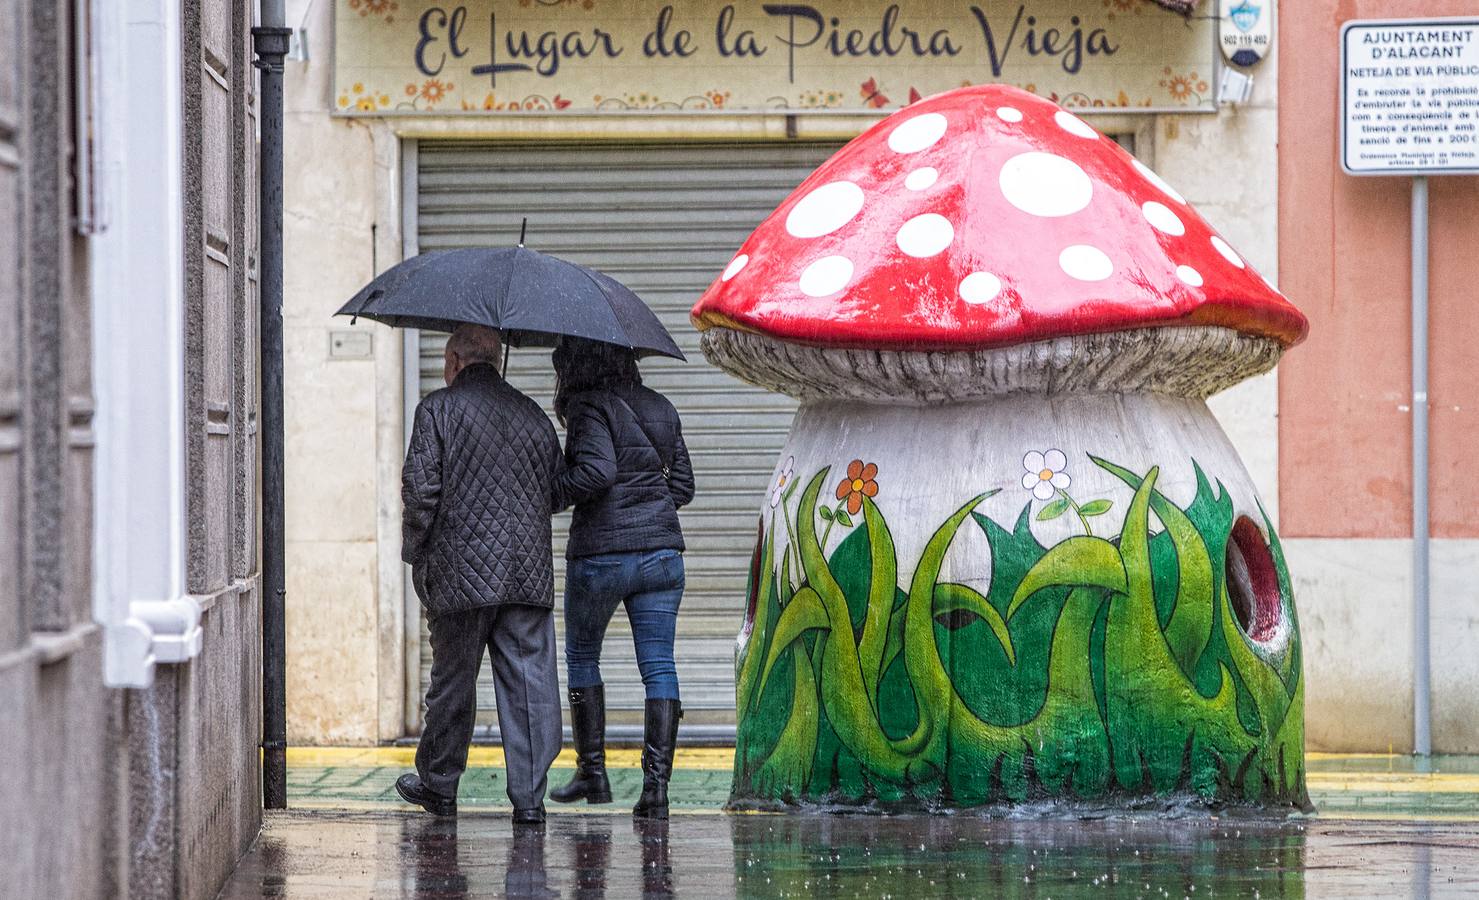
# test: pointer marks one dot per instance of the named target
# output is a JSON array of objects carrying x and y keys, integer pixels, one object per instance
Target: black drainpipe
[{"x": 270, "y": 40}]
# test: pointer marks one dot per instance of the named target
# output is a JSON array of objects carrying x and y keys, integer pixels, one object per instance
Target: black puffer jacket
[
  {"x": 478, "y": 489},
  {"x": 617, "y": 444}
]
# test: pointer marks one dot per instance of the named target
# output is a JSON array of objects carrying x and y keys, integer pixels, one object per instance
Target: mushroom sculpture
[{"x": 1008, "y": 552}]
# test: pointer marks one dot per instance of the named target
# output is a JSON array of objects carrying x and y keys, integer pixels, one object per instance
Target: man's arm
[
  {"x": 421, "y": 485},
  {"x": 590, "y": 457}
]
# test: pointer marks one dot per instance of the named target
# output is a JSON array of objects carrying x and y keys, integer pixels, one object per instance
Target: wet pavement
[
  {"x": 322, "y": 854},
  {"x": 1387, "y": 826}
]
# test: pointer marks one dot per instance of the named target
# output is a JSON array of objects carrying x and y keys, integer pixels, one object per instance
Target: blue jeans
[{"x": 650, "y": 583}]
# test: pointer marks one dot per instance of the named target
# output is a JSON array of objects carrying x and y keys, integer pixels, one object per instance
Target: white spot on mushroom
[
  {"x": 1228, "y": 253},
  {"x": 1045, "y": 184},
  {"x": 1189, "y": 275},
  {"x": 920, "y": 179},
  {"x": 1009, "y": 113},
  {"x": 734, "y": 266},
  {"x": 1161, "y": 218},
  {"x": 917, "y": 133},
  {"x": 825, "y": 209},
  {"x": 1086, "y": 263},
  {"x": 979, "y": 287},
  {"x": 826, "y": 276},
  {"x": 1156, "y": 180},
  {"x": 925, "y": 235},
  {"x": 1074, "y": 125}
]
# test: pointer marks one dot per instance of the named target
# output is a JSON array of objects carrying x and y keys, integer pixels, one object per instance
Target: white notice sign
[{"x": 1409, "y": 97}]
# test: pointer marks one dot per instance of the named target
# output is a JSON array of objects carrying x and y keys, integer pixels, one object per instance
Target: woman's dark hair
[{"x": 582, "y": 365}]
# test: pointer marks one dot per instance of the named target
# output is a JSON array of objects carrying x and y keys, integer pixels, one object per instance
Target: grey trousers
[{"x": 521, "y": 641}]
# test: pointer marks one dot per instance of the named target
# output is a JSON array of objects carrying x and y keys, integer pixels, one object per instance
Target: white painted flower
[
  {"x": 784, "y": 478},
  {"x": 1045, "y": 473}
]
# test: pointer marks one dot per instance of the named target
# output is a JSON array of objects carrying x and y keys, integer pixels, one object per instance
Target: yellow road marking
[
  {"x": 1396, "y": 782},
  {"x": 717, "y": 759}
]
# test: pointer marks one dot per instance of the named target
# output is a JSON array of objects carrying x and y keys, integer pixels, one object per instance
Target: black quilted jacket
[
  {"x": 617, "y": 443},
  {"x": 478, "y": 489}
]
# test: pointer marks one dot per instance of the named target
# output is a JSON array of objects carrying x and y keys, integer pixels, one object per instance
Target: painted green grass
[{"x": 1095, "y": 669}]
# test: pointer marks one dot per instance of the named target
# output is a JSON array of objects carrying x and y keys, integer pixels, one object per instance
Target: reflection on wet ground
[{"x": 597, "y": 855}]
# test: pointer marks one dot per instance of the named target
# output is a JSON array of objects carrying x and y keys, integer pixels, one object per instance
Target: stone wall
[
  {"x": 346, "y": 659},
  {"x": 112, "y": 793},
  {"x": 193, "y": 736},
  {"x": 60, "y": 839}
]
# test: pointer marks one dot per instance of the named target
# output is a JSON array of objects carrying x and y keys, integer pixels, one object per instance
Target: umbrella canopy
[{"x": 531, "y": 297}]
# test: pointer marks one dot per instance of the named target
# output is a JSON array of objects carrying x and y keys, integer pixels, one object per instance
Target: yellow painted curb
[
  {"x": 715, "y": 759},
  {"x": 1393, "y": 782},
  {"x": 1350, "y": 815}
]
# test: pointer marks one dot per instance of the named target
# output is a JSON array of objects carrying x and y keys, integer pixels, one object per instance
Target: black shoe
[
  {"x": 531, "y": 816},
  {"x": 588, "y": 727},
  {"x": 413, "y": 791},
  {"x": 660, "y": 740}
]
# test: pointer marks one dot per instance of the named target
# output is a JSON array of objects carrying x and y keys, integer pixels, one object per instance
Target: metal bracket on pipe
[{"x": 271, "y": 45}]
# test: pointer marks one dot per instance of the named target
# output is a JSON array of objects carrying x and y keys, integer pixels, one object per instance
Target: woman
[{"x": 627, "y": 473}]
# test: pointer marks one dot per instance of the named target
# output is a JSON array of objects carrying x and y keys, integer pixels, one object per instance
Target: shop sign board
[
  {"x": 481, "y": 57},
  {"x": 1409, "y": 96}
]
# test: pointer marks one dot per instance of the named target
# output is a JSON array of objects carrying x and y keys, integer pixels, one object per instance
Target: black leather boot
[
  {"x": 660, "y": 740},
  {"x": 588, "y": 728}
]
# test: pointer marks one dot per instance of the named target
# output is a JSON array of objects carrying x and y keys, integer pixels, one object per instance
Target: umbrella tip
[{"x": 522, "y": 229}]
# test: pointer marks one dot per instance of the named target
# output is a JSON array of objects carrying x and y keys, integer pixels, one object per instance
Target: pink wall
[{"x": 1344, "y": 433}]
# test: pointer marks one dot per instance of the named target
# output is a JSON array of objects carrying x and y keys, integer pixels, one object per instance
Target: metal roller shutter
[{"x": 662, "y": 218}]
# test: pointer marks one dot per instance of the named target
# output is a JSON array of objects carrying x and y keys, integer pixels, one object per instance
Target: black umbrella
[{"x": 531, "y": 297}]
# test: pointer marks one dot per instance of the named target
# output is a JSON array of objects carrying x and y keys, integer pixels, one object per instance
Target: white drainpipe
[{"x": 138, "y": 345}]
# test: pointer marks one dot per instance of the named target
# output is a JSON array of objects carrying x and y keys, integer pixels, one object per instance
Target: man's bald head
[{"x": 469, "y": 345}]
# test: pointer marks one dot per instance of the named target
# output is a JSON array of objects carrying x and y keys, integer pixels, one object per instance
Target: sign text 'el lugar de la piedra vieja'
[{"x": 395, "y": 57}]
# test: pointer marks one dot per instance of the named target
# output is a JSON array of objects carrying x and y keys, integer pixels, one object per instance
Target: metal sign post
[
  {"x": 1409, "y": 99},
  {"x": 1422, "y": 740}
]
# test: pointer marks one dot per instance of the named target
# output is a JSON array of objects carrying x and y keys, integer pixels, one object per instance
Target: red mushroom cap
[{"x": 986, "y": 217}]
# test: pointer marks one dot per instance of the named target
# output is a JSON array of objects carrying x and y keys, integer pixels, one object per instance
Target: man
[{"x": 478, "y": 489}]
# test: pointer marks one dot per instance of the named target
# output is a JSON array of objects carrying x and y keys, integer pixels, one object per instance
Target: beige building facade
[{"x": 376, "y": 172}]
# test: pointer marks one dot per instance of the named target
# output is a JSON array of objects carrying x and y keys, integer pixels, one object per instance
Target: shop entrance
[{"x": 663, "y": 218}]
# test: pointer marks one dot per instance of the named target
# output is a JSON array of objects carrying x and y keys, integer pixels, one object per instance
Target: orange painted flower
[
  {"x": 434, "y": 90},
  {"x": 858, "y": 484}
]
